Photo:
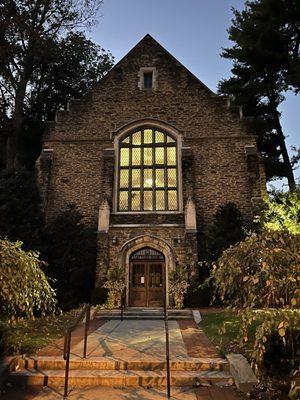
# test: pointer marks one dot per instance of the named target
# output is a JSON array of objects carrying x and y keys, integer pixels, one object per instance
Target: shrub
[
  {"x": 178, "y": 284},
  {"x": 69, "y": 247},
  {"x": 115, "y": 283},
  {"x": 24, "y": 286},
  {"x": 262, "y": 272}
]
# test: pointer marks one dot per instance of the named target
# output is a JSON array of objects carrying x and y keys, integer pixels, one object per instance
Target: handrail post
[
  {"x": 167, "y": 346},
  {"x": 123, "y": 303},
  {"x": 86, "y": 329},
  {"x": 67, "y": 358}
]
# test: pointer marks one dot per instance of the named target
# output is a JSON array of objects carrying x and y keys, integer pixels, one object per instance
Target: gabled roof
[{"x": 150, "y": 39}]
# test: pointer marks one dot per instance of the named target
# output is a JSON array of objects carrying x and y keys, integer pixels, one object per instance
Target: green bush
[
  {"x": 178, "y": 284},
  {"x": 262, "y": 272},
  {"x": 115, "y": 284},
  {"x": 24, "y": 286}
]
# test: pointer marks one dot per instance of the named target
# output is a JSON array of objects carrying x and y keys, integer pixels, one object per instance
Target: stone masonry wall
[{"x": 215, "y": 168}]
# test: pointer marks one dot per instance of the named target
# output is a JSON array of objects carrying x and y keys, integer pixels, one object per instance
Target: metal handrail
[
  {"x": 123, "y": 303},
  {"x": 85, "y": 313},
  {"x": 167, "y": 346}
]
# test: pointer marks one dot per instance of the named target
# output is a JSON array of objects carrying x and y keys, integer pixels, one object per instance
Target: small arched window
[{"x": 148, "y": 173}]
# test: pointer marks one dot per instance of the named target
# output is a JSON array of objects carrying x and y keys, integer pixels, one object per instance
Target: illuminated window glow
[{"x": 148, "y": 179}]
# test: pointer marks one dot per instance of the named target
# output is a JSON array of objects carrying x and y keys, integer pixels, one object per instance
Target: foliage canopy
[
  {"x": 24, "y": 286},
  {"x": 266, "y": 63},
  {"x": 281, "y": 212}
]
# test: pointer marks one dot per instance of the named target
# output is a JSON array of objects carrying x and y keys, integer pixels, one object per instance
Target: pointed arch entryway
[{"x": 145, "y": 277}]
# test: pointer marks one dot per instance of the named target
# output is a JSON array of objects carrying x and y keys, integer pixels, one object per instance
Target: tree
[
  {"x": 29, "y": 30},
  {"x": 24, "y": 286},
  {"x": 20, "y": 213},
  {"x": 266, "y": 63},
  {"x": 226, "y": 230},
  {"x": 77, "y": 64},
  {"x": 281, "y": 212},
  {"x": 69, "y": 247}
]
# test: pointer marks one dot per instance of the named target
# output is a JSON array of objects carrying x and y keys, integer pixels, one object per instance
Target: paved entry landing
[{"x": 132, "y": 339}]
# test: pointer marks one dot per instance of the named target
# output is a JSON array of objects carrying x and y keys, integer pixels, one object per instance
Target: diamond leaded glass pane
[
  {"x": 172, "y": 177},
  {"x": 148, "y": 181},
  {"x": 136, "y": 178},
  {"x": 148, "y": 137},
  {"x": 148, "y": 201},
  {"x": 171, "y": 156},
  {"x": 148, "y": 156},
  {"x": 160, "y": 200},
  {"x": 160, "y": 177},
  {"x": 172, "y": 200},
  {"x": 124, "y": 157},
  {"x": 136, "y": 156},
  {"x": 159, "y": 155},
  {"x": 136, "y": 200},
  {"x": 137, "y": 138},
  {"x": 124, "y": 176},
  {"x": 123, "y": 200},
  {"x": 169, "y": 139},
  {"x": 159, "y": 137}
]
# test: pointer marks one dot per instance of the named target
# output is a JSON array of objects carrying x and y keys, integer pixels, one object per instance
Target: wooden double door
[{"x": 146, "y": 283}]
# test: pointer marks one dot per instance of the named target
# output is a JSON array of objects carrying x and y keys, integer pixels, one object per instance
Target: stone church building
[{"x": 148, "y": 156}]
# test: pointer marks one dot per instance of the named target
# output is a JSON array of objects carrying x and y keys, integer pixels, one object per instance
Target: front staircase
[
  {"x": 134, "y": 366},
  {"x": 50, "y": 371}
]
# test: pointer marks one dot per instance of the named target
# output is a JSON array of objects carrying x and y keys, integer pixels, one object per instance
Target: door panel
[
  {"x": 138, "y": 296},
  {"x": 146, "y": 284},
  {"x": 156, "y": 284}
]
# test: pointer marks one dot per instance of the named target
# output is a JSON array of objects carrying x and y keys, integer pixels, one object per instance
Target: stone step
[
  {"x": 141, "y": 317},
  {"x": 104, "y": 363},
  {"x": 84, "y": 378},
  {"x": 142, "y": 311},
  {"x": 144, "y": 314}
]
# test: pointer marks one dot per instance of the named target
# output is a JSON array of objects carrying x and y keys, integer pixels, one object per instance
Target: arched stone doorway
[
  {"x": 146, "y": 278},
  {"x": 161, "y": 252}
]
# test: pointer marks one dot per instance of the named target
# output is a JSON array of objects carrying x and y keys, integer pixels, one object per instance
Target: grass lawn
[
  {"x": 230, "y": 340},
  {"x": 28, "y": 336}
]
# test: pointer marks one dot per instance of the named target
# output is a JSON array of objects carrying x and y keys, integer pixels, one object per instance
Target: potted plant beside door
[
  {"x": 178, "y": 284},
  {"x": 115, "y": 283}
]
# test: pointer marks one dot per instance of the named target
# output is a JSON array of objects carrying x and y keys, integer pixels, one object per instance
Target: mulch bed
[{"x": 196, "y": 341}]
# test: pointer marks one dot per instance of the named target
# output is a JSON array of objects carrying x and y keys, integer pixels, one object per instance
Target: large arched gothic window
[{"x": 148, "y": 172}]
